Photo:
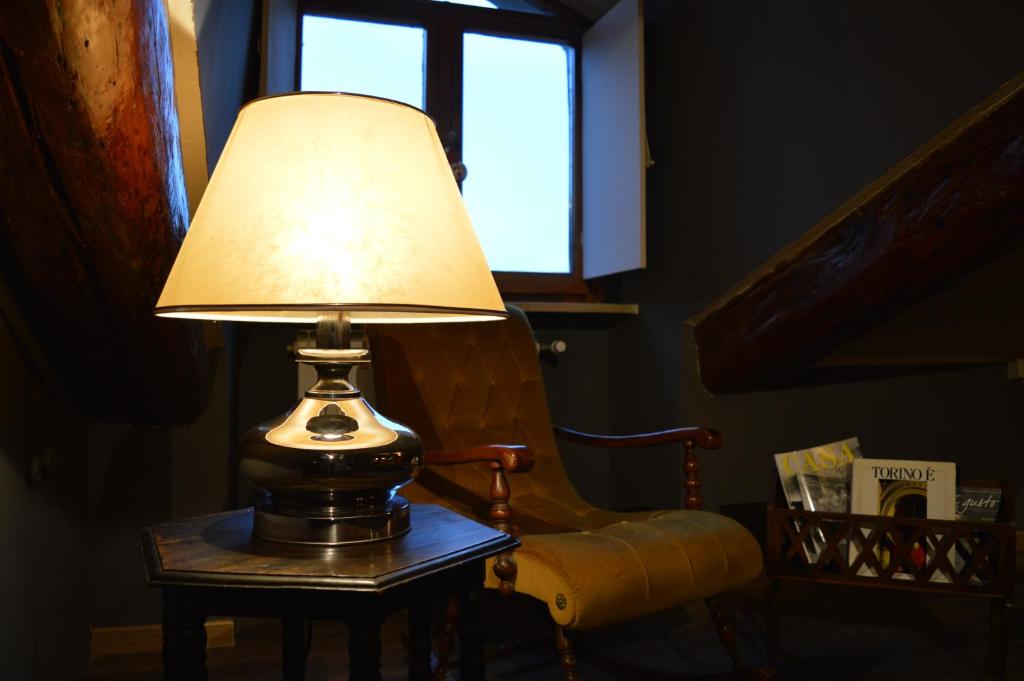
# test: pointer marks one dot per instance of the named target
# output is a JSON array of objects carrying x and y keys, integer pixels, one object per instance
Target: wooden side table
[{"x": 214, "y": 566}]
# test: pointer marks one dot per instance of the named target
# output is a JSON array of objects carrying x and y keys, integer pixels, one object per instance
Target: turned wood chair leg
[
  {"x": 772, "y": 617},
  {"x": 693, "y": 500},
  {"x": 726, "y": 632},
  {"x": 505, "y": 567},
  {"x": 566, "y": 654}
]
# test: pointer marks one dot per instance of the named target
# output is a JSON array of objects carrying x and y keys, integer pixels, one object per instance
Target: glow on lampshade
[{"x": 331, "y": 202}]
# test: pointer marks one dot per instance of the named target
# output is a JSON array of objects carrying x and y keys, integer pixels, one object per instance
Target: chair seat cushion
[{"x": 634, "y": 568}]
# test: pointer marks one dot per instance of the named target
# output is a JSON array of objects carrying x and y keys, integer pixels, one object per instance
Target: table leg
[
  {"x": 364, "y": 644},
  {"x": 446, "y": 641},
  {"x": 471, "y": 627},
  {"x": 184, "y": 646},
  {"x": 419, "y": 642},
  {"x": 293, "y": 648}
]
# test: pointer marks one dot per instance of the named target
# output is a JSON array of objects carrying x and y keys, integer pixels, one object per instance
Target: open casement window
[{"x": 544, "y": 112}]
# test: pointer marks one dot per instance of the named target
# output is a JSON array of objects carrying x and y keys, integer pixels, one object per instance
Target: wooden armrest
[
  {"x": 502, "y": 459},
  {"x": 705, "y": 438},
  {"x": 691, "y": 437},
  {"x": 511, "y": 458}
]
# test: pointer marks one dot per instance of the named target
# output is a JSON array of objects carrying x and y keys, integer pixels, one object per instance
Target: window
[
  {"x": 385, "y": 60},
  {"x": 518, "y": 189},
  {"x": 545, "y": 111}
]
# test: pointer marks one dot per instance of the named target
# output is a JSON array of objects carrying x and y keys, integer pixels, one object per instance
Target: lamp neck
[
  {"x": 332, "y": 370},
  {"x": 333, "y": 358},
  {"x": 333, "y": 331},
  {"x": 332, "y": 382}
]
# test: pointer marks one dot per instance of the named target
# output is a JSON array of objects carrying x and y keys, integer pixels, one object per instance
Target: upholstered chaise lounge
[{"x": 470, "y": 389}]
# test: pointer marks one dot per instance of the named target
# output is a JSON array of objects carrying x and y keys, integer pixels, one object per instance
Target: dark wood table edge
[{"x": 157, "y": 576}]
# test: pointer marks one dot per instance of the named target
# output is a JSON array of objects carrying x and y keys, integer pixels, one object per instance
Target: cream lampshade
[
  {"x": 331, "y": 202},
  {"x": 334, "y": 209}
]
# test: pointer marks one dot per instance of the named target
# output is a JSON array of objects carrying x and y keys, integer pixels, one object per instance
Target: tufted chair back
[{"x": 464, "y": 385}]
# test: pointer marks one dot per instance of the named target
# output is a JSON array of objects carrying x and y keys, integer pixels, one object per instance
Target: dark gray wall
[
  {"x": 579, "y": 391},
  {"x": 145, "y": 475},
  {"x": 44, "y": 533},
  {"x": 763, "y": 116},
  {"x": 142, "y": 475},
  {"x": 226, "y": 35}
]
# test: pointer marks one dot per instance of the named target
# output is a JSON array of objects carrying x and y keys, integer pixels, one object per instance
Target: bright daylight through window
[
  {"x": 516, "y": 113},
  {"x": 383, "y": 60},
  {"x": 517, "y": 146}
]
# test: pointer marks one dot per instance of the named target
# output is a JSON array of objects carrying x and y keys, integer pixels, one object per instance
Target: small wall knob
[{"x": 555, "y": 347}]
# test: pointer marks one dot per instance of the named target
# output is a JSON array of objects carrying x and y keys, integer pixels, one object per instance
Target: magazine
[
  {"x": 979, "y": 504},
  {"x": 825, "y": 492},
  {"x": 974, "y": 504},
  {"x": 818, "y": 479},
  {"x": 831, "y": 459},
  {"x": 903, "y": 489}
]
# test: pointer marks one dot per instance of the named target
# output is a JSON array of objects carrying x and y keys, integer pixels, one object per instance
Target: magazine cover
[
  {"x": 824, "y": 492},
  {"x": 903, "y": 489},
  {"x": 822, "y": 469},
  {"x": 833, "y": 459},
  {"x": 976, "y": 504},
  {"x": 979, "y": 504}
]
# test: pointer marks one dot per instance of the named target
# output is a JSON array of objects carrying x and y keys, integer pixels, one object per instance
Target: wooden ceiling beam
[
  {"x": 93, "y": 204},
  {"x": 945, "y": 210}
]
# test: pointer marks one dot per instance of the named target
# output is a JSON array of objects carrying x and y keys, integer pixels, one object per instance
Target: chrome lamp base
[
  {"x": 330, "y": 467},
  {"x": 353, "y": 528}
]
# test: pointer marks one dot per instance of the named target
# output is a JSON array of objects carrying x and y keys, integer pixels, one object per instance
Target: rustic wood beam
[
  {"x": 92, "y": 203},
  {"x": 945, "y": 210}
]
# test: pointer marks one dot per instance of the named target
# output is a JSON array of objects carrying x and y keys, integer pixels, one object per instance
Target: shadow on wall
[
  {"x": 142, "y": 475},
  {"x": 134, "y": 480},
  {"x": 44, "y": 580},
  {"x": 131, "y": 486}
]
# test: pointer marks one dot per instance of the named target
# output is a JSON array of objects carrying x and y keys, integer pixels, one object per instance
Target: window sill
[{"x": 555, "y": 307}]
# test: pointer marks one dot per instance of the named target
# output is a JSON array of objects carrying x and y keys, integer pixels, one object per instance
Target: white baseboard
[{"x": 148, "y": 638}]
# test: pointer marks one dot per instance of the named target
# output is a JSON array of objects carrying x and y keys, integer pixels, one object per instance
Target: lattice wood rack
[{"x": 962, "y": 558}]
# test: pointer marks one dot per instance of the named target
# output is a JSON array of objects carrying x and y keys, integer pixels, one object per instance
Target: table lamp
[{"x": 331, "y": 209}]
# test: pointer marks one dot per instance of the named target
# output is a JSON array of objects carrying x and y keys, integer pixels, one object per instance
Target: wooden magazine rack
[{"x": 937, "y": 556}]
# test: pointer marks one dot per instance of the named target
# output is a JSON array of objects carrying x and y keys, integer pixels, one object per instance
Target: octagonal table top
[{"x": 220, "y": 550}]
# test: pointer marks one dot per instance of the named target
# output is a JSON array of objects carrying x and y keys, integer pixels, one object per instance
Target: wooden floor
[{"x": 827, "y": 633}]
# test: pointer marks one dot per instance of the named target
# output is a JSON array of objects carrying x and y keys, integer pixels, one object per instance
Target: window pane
[
  {"x": 472, "y": 3},
  {"x": 384, "y": 60},
  {"x": 517, "y": 144}
]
